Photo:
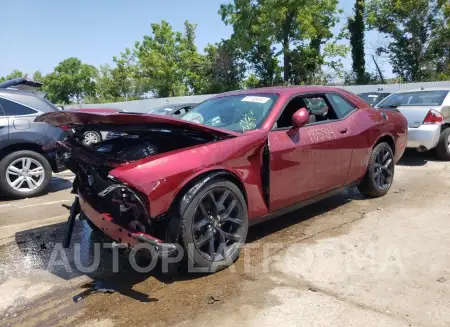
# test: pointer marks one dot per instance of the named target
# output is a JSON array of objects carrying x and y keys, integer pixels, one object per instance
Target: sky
[{"x": 37, "y": 35}]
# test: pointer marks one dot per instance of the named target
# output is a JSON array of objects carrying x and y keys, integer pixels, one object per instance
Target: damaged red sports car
[{"x": 234, "y": 160}]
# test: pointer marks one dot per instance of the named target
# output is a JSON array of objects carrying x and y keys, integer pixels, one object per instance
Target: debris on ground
[
  {"x": 212, "y": 299},
  {"x": 312, "y": 289},
  {"x": 441, "y": 280},
  {"x": 94, "y": 287}
]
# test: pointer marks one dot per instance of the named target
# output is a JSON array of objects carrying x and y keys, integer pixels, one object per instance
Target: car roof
[
  {"x": 374, "y": 92},
  {"x": 445, "y": 88},
  {"x": 287, "y": 90}
]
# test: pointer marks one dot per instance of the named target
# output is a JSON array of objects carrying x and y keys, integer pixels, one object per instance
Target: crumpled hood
[{"x": 77, "y": 118}]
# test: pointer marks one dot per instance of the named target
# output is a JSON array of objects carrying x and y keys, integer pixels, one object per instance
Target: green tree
[
  {"x": 119, "y": 83},
  {"x": 168, "y": 61},
  {"x": 14, "y": 74},
  {"x": 411, "y": 26},
  {"x": 287, "y": 24},
  {"x": 70, "y": 81},
  {"x": 38, "y": 77},
  {"x": 440, "y": 45},
  {"x": 356, "y": 27},
  {"x": 224, "y": 69},
  {"x": 251, "y": 82}
]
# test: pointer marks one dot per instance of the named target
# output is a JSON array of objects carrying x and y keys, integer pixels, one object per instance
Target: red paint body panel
[
  {"x": 161, "y": 177},
  {"x": 96, "y": 110},
  {"x": 303, "y": 163}
]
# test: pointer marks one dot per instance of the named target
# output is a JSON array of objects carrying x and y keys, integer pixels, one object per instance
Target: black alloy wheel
[
  {"x": 383, "y": 168},
  {"x": 217, "y": 224},
  {"x": 380, "y": 172},
  {"x": 214, "y": 225}
]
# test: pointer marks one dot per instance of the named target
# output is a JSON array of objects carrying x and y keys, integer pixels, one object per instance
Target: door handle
[{"x": 343, "y": 130}]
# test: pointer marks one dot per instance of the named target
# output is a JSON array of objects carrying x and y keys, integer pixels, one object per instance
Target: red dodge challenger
[{"x": 197, "y": 183}]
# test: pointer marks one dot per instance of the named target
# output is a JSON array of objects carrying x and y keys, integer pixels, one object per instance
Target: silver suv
[{"x": 27, "y": 155}]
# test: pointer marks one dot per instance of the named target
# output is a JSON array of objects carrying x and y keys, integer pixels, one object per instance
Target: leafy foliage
[
  {"x": 224, "y": 69},
  {"x": 356, "y": 27},
  {"x": 70, "y": 81},
  {"x": 274, "y": 42},
  {"x": 298, "y": 28},
  {"x": 411, "y": 26}
]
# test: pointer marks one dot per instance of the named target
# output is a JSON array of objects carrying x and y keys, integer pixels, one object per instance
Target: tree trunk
[
  {"x": 286, "y": 30},
  {"x": 286, "y": 61}
]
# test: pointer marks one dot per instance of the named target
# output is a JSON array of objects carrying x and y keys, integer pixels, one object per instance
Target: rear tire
[
  {"x": 214, "y": 226},
  {"x": 380, "y": 172},
  {"x": 11, "y": 169},
  {"x": 443, "y": 147}
]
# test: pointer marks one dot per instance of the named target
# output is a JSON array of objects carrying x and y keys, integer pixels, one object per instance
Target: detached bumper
[
  {"x": 425, "y": 136},
  {"x": 125, "y": 237}
]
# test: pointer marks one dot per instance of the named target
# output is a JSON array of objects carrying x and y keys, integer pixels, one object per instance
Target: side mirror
[{"x": 300, "y": 118}]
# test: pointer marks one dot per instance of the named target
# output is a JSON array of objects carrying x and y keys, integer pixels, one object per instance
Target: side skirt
[{"x": 301, "y": 204}]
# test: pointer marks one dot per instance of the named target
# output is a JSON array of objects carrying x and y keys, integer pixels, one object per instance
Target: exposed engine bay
[{"x": 91, "y": 165}]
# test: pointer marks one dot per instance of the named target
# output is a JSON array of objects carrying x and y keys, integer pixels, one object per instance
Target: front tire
[
  {"x": 214, "y": 226},
  {"x": 24, "y": 174},
  {"x": 443, "y": 147},
  {"x": 380, "y": 172}
]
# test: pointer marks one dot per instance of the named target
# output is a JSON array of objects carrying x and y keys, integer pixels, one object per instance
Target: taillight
[
  {"x": 433, "y": 117},
  {"x": 64, "y": 127}
]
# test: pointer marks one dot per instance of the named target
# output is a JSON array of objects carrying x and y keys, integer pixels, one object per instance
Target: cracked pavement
[{"x": 344, "y": 261}]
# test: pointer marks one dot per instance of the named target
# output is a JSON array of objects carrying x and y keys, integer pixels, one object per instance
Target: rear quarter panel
[
  {"x": 161, "y": 177},
  {"x": 370, "y": 127}
]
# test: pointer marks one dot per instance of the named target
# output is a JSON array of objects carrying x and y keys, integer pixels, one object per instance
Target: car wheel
[
  {"x": 443, "y": 147},
  {"x": 380, "y": 172},
  {"x": 91, "y": 137},
  {"x": 214, "y": 226},
  {"x": 24, "y": 174}
]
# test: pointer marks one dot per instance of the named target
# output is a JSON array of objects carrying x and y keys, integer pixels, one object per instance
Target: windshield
[
  {"x": 238, "y": 113},
  {"x": 373, "y": 98},
  {"x": 419, "y": 98},
  {"x": 161, "y": 111}
]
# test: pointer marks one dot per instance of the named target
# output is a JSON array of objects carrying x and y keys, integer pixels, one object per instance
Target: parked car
[
  {"x": 94, "y": 137},
  {"x": 173, "y": 110},
  {"x": 26, "y": 164},
  {"x": 236, "y": 159},
  {"x": 373, "y": 98},
  {"x": 428, "y": 115}
]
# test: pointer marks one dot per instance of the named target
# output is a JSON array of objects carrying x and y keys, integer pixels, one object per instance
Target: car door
[
  {"x": 20, "y": 117},
  {"x": 309, "y": 161}
]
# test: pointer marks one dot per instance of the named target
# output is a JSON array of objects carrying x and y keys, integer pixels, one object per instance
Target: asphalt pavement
[{"x": 344, "y": 261}]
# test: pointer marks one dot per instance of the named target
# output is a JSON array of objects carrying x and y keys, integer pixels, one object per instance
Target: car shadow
[
  {"x": 43, "y": 247},
  {"x": 413, "y": 158},
  {"x": 277, "y": 224},
  {"x": 58, "y": 184}
]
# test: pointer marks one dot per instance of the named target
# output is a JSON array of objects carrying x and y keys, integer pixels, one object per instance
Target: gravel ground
[{"x": 344, "y": 261}]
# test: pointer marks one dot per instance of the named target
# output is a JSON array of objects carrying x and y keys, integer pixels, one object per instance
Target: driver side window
[{"x": 317, "y": 105}]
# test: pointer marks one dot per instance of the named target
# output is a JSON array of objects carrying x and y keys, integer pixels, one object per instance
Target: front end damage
[
  {"x": 112, "y": 206},
  {"x": 118, "y": 209}
]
